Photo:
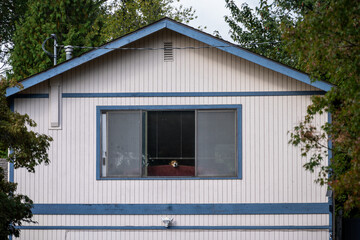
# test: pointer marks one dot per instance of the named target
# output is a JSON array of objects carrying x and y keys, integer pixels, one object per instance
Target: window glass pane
[
  {"x": 171, "y": 137},
  {"x": 216, "y": 141},
  {"x": 124, "y": 143}
]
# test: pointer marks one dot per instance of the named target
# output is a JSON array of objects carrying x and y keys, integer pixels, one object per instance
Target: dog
[{"x": 174, "y": 163}]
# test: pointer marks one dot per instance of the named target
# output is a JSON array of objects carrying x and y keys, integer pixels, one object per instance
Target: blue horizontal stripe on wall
[
  {"x": 192, "y": 94},
  {"x": 181, "y": 209},
  {"x": 178, "y": 94},
  {"x": 169, "y": 228}
]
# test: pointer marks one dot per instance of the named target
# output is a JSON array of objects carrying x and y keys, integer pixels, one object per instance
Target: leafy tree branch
[{"x": 29, "y": 150}]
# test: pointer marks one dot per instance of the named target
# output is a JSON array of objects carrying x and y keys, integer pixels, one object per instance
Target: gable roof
[{"x": 183, "y": 29}]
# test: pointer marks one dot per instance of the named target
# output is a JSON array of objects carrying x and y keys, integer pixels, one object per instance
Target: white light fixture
[{"x": 167, "y": 221}]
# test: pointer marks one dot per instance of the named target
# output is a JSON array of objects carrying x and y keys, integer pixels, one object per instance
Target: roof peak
[{"x": 168, "y": 23}]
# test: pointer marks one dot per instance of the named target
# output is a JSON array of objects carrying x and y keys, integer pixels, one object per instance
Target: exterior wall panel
[
  {"x": 182, "y": 220},
  {"x": 174, "y": 234},
  {"x": 272, "y": 170}
]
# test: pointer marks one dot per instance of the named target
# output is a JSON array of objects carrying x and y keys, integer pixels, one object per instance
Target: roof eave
[
  {"x": 61, "y": 68},
  {"x": 179, "y": 28},
  {"x": 252, "y": 57}
]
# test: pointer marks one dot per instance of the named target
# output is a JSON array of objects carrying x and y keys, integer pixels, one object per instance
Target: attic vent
[{"x": 168, "y": 52}]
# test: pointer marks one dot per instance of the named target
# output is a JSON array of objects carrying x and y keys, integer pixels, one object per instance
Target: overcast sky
[{"x": 211, "y": 14}]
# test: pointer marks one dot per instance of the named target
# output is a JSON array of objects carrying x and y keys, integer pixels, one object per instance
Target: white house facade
[{"x": 123, "y": 115}]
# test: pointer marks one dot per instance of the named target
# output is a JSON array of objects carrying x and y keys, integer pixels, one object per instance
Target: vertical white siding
[
  {"x": 199, "y": 70},
  {"x": 272, "y": 169},
  {"x": 175, "y": 234},
  {"x": 182, "y": 220},
  {"x": 38, "y": 89}
]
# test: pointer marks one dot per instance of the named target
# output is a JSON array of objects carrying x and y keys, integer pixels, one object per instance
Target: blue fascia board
[
  {"x": 179, "y": 28},
  {"x": 11, "y": 170},
  {"x": 181, "y": 209},
  {"x": 252, "y": 57},
  {"x": 61, "y": 68},
  {"x": 99, "y": 109},
  {"x": 283, "y": 227}
]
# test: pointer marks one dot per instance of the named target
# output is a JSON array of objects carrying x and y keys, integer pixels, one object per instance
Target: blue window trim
[
  {"x": 181, "y": 209},
  {"x": 99, "y": 109}
]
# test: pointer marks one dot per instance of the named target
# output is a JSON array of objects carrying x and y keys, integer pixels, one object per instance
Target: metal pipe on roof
[{"x": 68, "y": 51}]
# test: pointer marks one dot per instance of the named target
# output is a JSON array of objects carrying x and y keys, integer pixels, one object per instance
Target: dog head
[{"x": 174, "y": 163}]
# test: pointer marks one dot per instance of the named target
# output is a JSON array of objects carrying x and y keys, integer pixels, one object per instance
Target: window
[
  {"x": 169, "y": 141},
  {"x": 170, "y": 138}
]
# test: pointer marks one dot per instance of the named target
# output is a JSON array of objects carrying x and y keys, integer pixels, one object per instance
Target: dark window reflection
[{"x": 171, "y": 136}]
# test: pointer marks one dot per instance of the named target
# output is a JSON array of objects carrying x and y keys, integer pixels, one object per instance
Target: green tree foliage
[
  {"x": 14, "y": 208},
  {"x": 28, "y": 150},
  {"x": 321, "y": 38},
  {"x": 75, "y": 22},
  {"x": 327, "y": 45},
  {"x": 10, "y": 13},
  {"x": 260, "y": 30},
  {"x": 130, "y": 15},
  {"x": 81, "y": 23},
  {"x": 28, "y": 147}
]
